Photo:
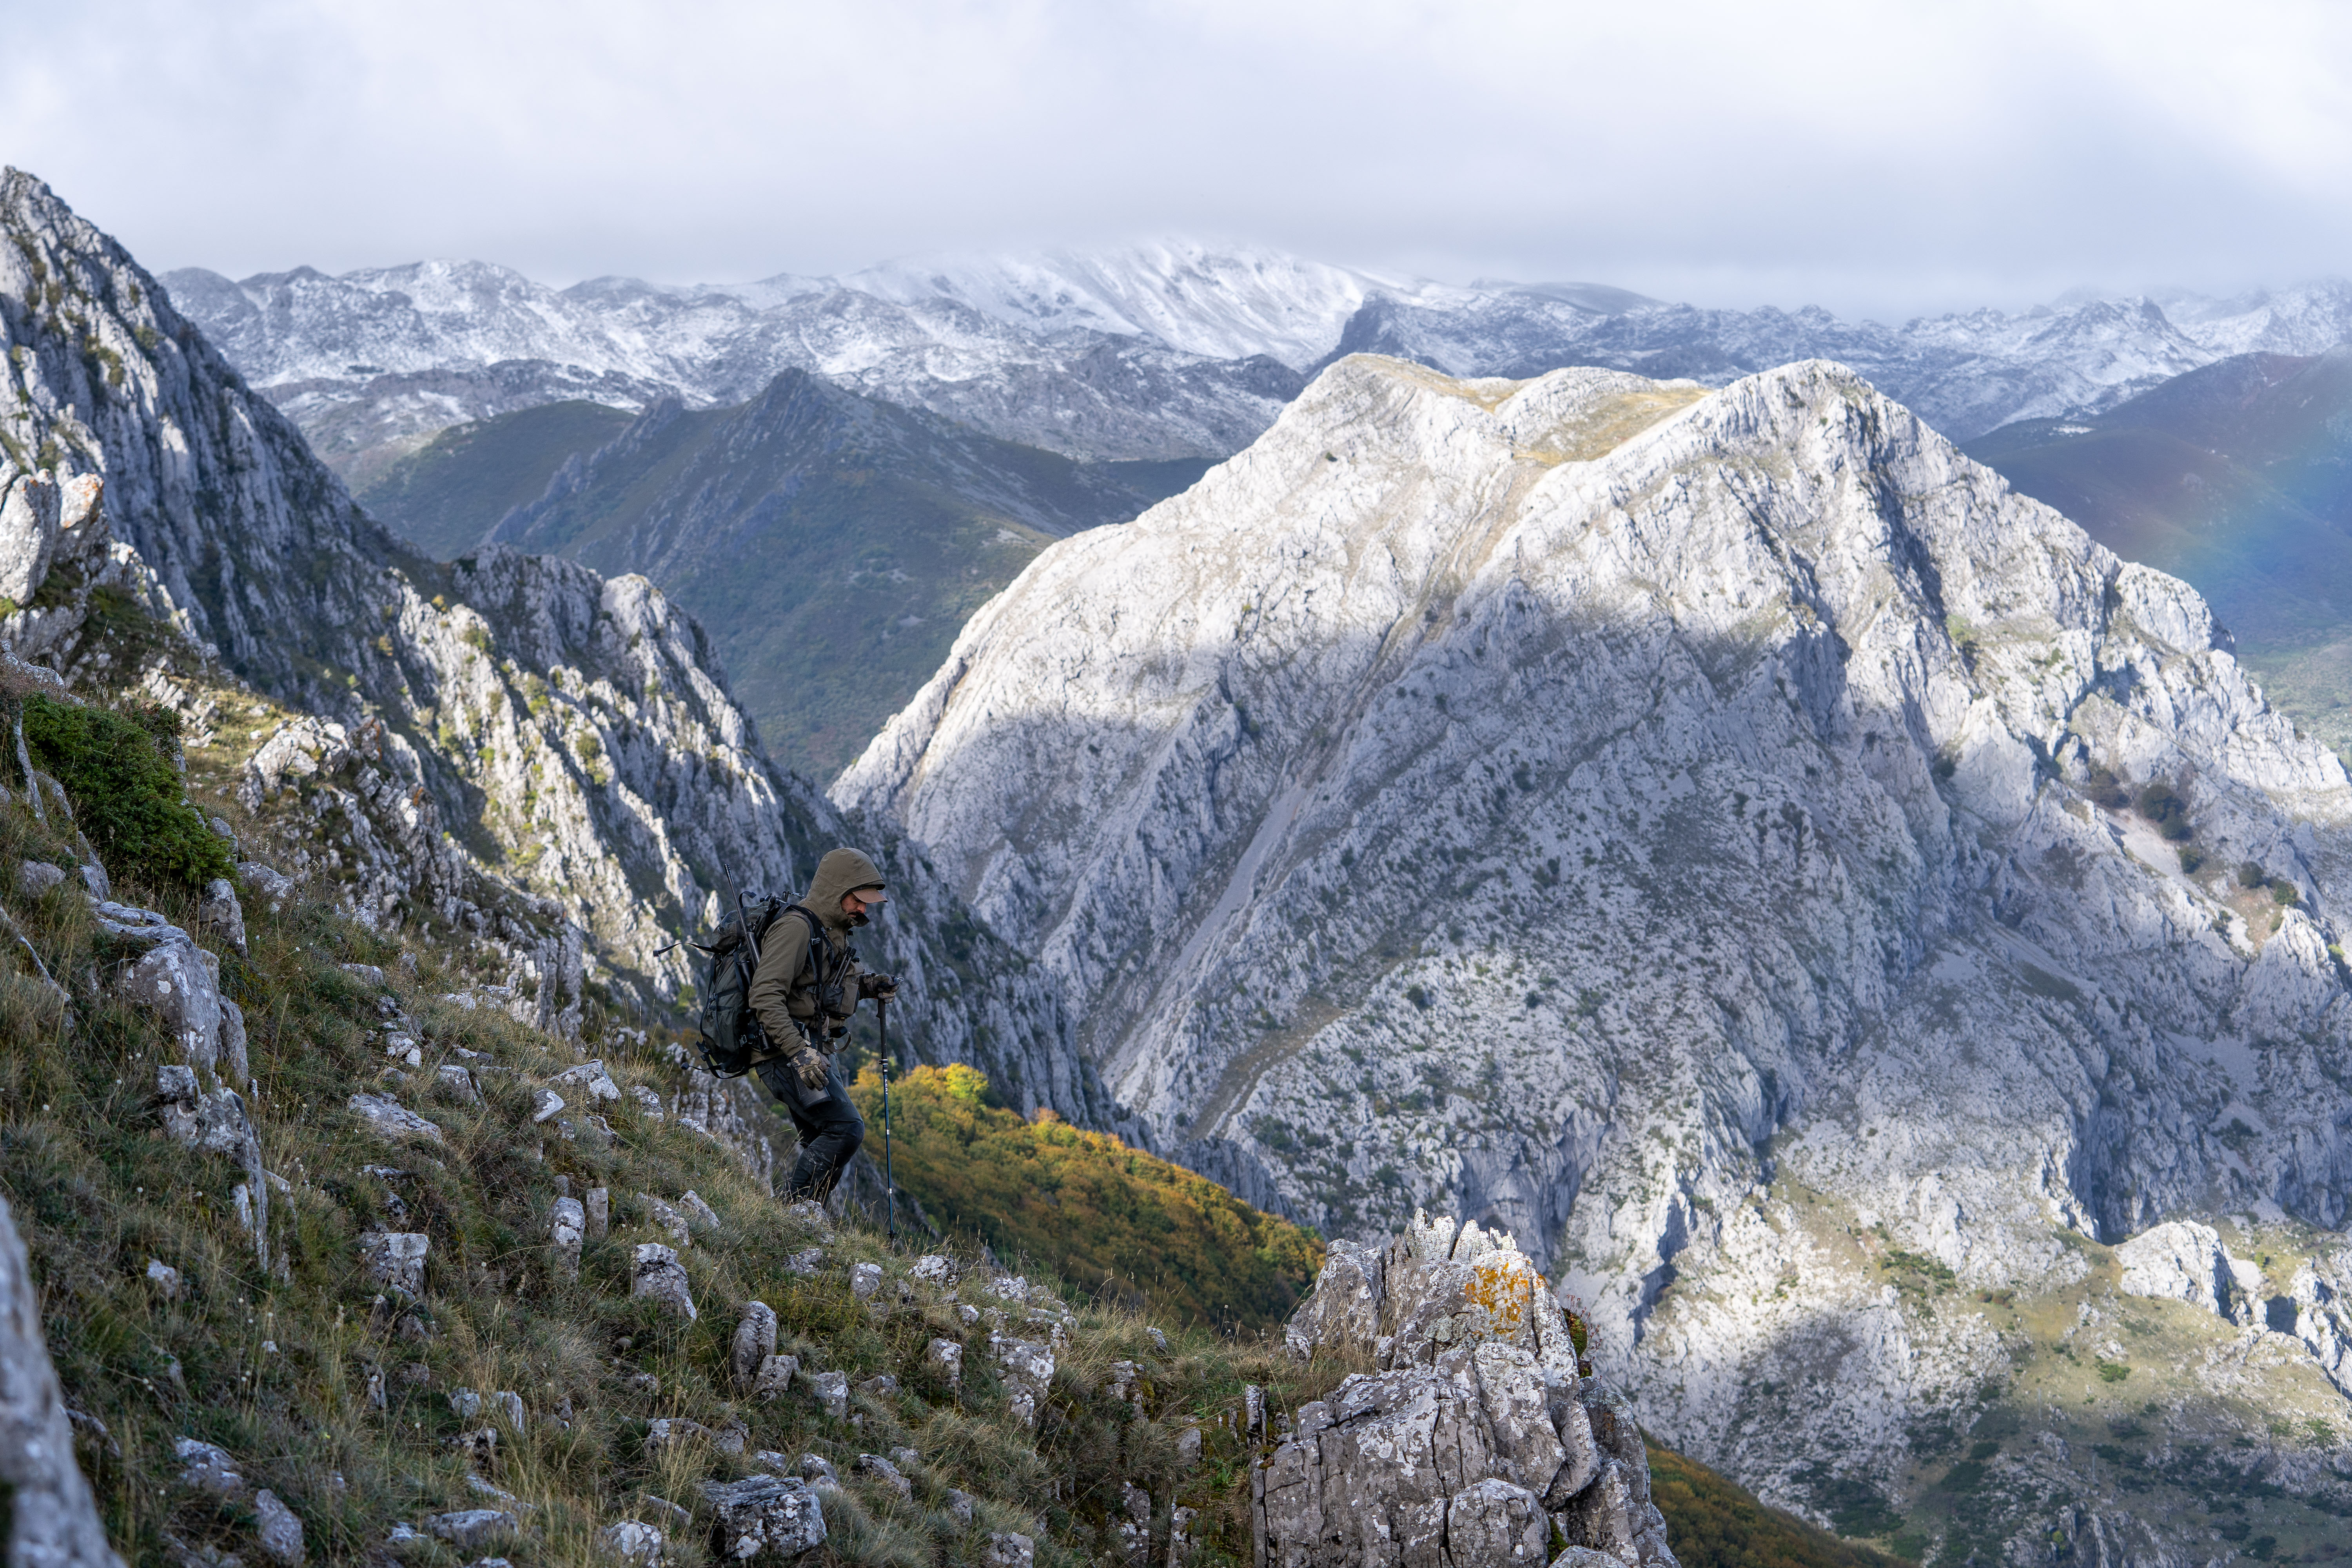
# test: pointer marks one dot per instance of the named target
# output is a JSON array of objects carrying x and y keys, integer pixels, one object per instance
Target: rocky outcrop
[
  {"x": 1475, "y": 1441},
  {"x": 1656, "y": 822},
  {"x": 52, "y": 1517}
]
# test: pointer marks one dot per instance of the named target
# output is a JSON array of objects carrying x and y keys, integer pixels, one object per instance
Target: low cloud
[{"x": 1871, "y": 158}]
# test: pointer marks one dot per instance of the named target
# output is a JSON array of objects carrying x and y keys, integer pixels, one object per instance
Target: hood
[{"x": 838, "y": 873}]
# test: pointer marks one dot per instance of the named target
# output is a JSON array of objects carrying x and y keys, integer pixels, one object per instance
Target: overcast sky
[{"x": 1877, "y": 158}]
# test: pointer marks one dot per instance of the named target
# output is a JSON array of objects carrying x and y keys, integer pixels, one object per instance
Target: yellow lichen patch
[{"x": 1505, "y": 1284}]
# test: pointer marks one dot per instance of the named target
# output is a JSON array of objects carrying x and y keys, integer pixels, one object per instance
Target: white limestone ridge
[{"x": 1652, "y": 821}]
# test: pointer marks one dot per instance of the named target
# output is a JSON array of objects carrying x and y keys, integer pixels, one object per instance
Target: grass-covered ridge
[{"x": 1097, "y": 1212}]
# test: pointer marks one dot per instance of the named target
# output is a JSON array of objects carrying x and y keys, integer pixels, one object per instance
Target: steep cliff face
[{"x": 1730, "y": 841}]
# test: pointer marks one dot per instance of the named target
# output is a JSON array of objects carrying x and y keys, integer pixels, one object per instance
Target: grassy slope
[
  {"x": 98, "y": 1190},
  {"x": 1713, "y": 1523},
  {"x": 447, "y": 497},
  {"x": 1089, "y": 1207}
]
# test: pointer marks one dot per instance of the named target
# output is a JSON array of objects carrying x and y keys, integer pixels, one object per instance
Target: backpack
[{"x": 733, "y": 1038}]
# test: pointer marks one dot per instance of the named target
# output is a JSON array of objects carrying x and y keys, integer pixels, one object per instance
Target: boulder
[
  {"x": 768, "y": 1518},
  {"x": 865, "y": 1279},
  {"x": 2179, "y": 1260},
  {"x": 387, "y": 1118},
  {"x": 1010, "y": 1551},
  {"x": 633, "y": 1541},
  {"x": 468, "y": 1527},
  {"x": 873, "y": 1467},
  {"x": 180, "y": 984},
  {"x": 774, "y": 1376},
  {"x": 31, "y": 515},
  {"x": 1028, "y": 1372},
  {"x": 755, "y": 1342},
  {"x": 395, "y": 1259},
  {"x": 592, "y": 1079},
  {"x": 567, "y": 1225},
  {"x": 660, "y": 1276},
  {"x": 279, "y": 1529},
  {"x": 34, "y": 878},
  {"x": 831, "y": 1390},
  {"x": 207, "y": 1466},
  {"x": 219, "y": 913},
  {"x": 946, "y": 1357}
]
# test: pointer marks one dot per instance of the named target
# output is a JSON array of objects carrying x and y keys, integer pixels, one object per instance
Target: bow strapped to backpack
[{"x": 732, "y": 1037}]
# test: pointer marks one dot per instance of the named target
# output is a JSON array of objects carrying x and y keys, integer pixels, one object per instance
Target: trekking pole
[{"x": 889, "y": 1184}]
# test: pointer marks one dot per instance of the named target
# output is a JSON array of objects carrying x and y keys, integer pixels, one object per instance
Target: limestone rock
[
  {"x": 53, "y": 1517},
  {"x": 633, "y": 1541},
  {"x": 947, "y": 1357},
  {"x": 180, "y": 984},
  {"x": 774, "y": 1376},
  {"x": 660, "y": 1276},
  {"x": 696, "y": 1212},
  {"x": 164, "y": 1279},
  {"x": 389, "y": 1118},
  {"x": 466, "y": 1529},
  {"x": 219, "y": 913},
  {"x": 865, "y": 1279},
  {"x": 767, "y": 1518},
  {"x": 1479, "y": 1375},
  {"x": 279, "y": 1529},
  {"x": 599, "y": 1204},
  {"x": 34, "y": 878},
  {"x": 1028, "y": 1373},
  {"x": 208, "y": 1468},
  {"x": 665, "y": 1215},
  {"x": 831, "y": 1391},
  {"x": 2179, "y": 1260},
  {"x": 1009, "y": 1550},
  {"x": 395, "y": 1259},
  {"x": 755, "y": 1342},
  {"x": 881, "y": 1470},
  {"x": 592, "y": 1079}
]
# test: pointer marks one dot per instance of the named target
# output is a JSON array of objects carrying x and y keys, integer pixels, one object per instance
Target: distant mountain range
[
  {"x": 451, "y": 396},
  {"x": 1161, "y": 350}
]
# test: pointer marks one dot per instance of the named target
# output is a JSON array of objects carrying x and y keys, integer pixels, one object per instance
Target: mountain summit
[{"x": 1729, "y": 840}]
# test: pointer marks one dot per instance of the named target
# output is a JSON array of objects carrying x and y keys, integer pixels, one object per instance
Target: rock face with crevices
[
  {"x": 1475, "y": 1442},
  {"x": 1729, "y": 840}
]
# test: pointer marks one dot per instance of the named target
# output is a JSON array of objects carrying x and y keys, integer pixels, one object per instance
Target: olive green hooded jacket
[{"x": 783, "y": 989}]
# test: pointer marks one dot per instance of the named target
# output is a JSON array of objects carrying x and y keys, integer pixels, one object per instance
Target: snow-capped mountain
[
  {"x": 1814, "y": 897},
  {"x": 1172, "y": 349}
]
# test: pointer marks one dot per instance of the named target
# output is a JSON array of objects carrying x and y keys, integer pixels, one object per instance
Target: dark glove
[
  {"x": 811, "y": 1066},
  {"x": 883, "y": 985}
]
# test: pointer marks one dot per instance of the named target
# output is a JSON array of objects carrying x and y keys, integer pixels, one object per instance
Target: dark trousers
[{"x": 830, "y": 1129}]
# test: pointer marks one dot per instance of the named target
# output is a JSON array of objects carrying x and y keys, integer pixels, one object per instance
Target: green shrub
[
  {"x": 2249, "y": 875},
  {"x": 2113, "y": 1372},
  {"x": 2286, "y": 892},
  {"x": 127, "y": 795},
  {"x": 2191, "y": 859},
  {"x": 2165, "y": 809},
  {"x": 1093, "y": 1209}
]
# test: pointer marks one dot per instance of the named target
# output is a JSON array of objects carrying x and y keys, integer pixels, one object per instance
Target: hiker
[{"x": 807, "y": 985}]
